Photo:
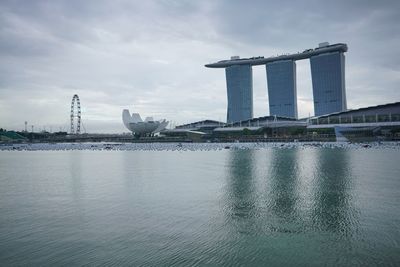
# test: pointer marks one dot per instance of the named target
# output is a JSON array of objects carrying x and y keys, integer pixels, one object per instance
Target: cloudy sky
[{"x": 149, "y": 56}]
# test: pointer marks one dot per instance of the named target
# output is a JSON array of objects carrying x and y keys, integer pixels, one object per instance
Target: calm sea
[{"x": 299, "y": 206}]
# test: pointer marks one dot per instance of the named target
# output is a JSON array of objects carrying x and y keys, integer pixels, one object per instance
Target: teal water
[{"x": 288, "y": 207}]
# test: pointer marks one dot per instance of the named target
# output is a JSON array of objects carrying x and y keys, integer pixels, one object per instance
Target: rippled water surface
[{"x": 310, "y": 206}]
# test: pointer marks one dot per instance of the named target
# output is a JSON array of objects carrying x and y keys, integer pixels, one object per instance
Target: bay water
[{"x": 232, "y": 207}]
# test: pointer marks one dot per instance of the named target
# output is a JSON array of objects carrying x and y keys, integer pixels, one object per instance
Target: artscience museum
[{"x": 137, "y": 126}]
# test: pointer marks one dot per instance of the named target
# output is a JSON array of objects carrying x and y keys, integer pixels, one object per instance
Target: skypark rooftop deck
[{"x": 262, "y": 61}]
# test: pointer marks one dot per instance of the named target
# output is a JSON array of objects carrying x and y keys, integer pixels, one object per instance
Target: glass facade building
[
  {"x": 239, "y": 83},
  {"x": 328, "y": 80},
  {"x": 282, "y": 94}
]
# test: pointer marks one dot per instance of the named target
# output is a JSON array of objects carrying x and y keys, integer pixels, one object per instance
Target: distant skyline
[{"x": 149, "y": 56}]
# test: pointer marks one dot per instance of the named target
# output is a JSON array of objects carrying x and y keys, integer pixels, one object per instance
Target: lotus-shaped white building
[{"x": 136, "y": 125}]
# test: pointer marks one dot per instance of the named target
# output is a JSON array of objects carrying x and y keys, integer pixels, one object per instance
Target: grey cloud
[{"x": 150, "y": 54}]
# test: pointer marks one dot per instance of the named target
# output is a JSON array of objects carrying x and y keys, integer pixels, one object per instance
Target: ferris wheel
[{"x": 75, "y": 113}]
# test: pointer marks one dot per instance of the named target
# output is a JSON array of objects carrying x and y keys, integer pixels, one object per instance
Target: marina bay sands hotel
[{"x": 328, "y": 81}]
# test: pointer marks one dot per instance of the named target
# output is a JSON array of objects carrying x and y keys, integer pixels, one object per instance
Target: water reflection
[
  {"x": 301, "y": 191},
  {"x": 333, "y": 209},
  {"x": 240, "y": 183},
  {"x": 75, "y": 169},
  {"x": 283, "y": 176}
]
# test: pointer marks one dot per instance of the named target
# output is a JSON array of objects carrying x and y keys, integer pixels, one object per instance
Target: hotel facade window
[
  {"x": 328, "y": 82},
  {"x": 239, "y": 83},
  {"x": 282, "y": 94}
]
